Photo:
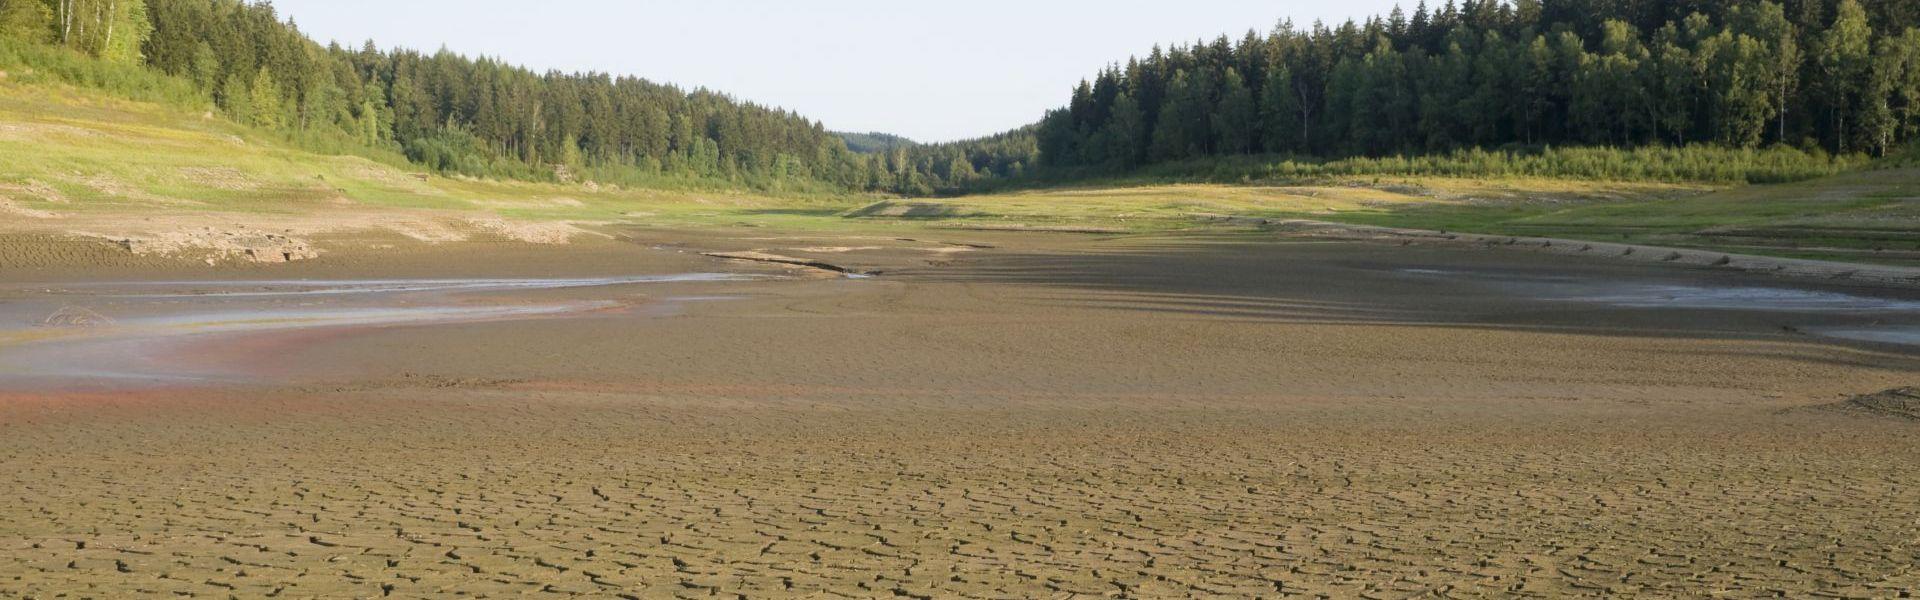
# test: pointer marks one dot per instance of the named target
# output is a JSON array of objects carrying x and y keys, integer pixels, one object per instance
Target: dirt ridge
[{"x": 1908, "y": 277}]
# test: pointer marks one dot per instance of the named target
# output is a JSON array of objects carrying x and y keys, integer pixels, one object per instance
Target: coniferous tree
[
  {"x": 1489, "y": 112},
  {"x": 1235, "y": 116},
  {"x": 1280, "y": 121},
  {"x": 1182, "y": 127},
  {"x": 1445, "y": 83},
  {"x": 1529, "y": 74}
]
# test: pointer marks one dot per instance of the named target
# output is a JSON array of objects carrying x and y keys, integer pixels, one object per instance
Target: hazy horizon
[{"x": 931, "y": 73}]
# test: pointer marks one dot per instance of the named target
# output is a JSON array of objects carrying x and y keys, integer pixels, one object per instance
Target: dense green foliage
[
  {"x": 1814, "y": 74},
  {"x": 128, "y": 80},
  {"x": 874, "y": 142},
  {"x": 445, "y": 111},
  {"x": 1698, "y": 164},
  {"x": 1656, "y": 89}
]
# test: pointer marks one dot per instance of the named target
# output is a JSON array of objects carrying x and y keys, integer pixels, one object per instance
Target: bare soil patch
[
  {"x": 1053, "y": 416},
  {"x": 1901, "y": 403}
]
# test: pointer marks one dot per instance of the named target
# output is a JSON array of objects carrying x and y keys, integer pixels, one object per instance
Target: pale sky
[{"x": 929, "y": 70}]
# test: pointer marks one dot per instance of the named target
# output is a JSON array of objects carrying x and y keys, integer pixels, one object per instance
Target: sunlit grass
[{"x": 71, "y": 151}]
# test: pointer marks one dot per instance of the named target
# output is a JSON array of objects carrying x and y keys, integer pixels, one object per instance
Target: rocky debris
[
  {"x": 1035, "y": 228},
  {"x": 220, "y": 178},
  {"x": 1902, "y": 403},
  {"x": 757, "y": 256},
  {"x": 76, "y": 317},
  {"x": 533, "y": 233},
  {"x": 221, "y": 246}
]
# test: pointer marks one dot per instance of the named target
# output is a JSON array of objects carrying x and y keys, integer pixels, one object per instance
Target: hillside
[
  {"x": 874, "y": 142},
  {"x": 135, "y": 158},
  {"x": 159, "y": 180},
  {"x": 165, "y": 181}
]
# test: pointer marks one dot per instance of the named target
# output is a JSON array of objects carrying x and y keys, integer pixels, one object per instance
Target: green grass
[
  {"x": 1699, "y": 165},
  {"x": 82, "y": 152},
  {"x": 1864, "y": 216}
]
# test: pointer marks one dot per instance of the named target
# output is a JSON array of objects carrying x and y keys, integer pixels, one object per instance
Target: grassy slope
[
  {"x": 77, "y": 154},
  {"x": 1868, "y": 216}
]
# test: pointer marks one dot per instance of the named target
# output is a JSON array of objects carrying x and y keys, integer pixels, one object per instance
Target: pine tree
[
  {"x": 1445, "y": 84},
  {"x": 1496, "y": 72},
  {"x": 1179, "y": 133},
  {"x": 1235, "y": 116},
  {"x": 1280, "y": 121},
  {"x": 205, "y": 67}
]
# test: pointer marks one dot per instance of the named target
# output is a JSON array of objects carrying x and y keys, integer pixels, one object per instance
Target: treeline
[
  {"x": 874, "y": 142},
  {"x": 456, "y": 114},
  {"x": 1817, "y": 75},
  {"x": 1809, "y": 79}
]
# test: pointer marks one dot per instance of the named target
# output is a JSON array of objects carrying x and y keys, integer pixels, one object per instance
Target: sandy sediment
[
  {"x": 765, "y": 257},
  {"x": 1045, "y": 416},
  {"x": 1788, "y": 267}
]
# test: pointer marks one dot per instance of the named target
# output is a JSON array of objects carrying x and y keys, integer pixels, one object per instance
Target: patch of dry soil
[
  {"x": 1902, "y": 403},
  {"x": 1052, "y": 416}
]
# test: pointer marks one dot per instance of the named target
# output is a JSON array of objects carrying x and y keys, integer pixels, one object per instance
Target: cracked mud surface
[{"x": 1079, "y": 420}]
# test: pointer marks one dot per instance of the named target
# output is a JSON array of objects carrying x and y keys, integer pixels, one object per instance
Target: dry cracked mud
[{"x": 1046, "y": 417}]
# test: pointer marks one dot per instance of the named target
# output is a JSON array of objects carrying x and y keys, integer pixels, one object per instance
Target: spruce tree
[
  {"x": 1280, "y": 120},
  {"x": 1235, "y": 116}
]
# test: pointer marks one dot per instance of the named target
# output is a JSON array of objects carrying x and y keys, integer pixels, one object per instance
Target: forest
[
  {"x": 1798, "y": 83},
  {"x": 448, "y": 112},
  {"x": 1815, "y": 75}
]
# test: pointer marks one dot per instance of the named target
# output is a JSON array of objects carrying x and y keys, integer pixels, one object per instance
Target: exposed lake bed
[{"x": 1169, "y": 394}]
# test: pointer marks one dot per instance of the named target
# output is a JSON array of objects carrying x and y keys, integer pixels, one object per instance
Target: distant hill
[{"x": 874, "y": 142}]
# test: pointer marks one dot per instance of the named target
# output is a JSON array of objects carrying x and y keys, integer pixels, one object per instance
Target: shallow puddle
[
  {"x": 160, "y": 331},
  {"x": 1740, "y": 298},
  {"x": 1887, "y": 320},
  {"x": 1904, "y": 335}
]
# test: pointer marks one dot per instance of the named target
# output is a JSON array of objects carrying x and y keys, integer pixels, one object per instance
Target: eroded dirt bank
[{"x": 1011, "y": 415}]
